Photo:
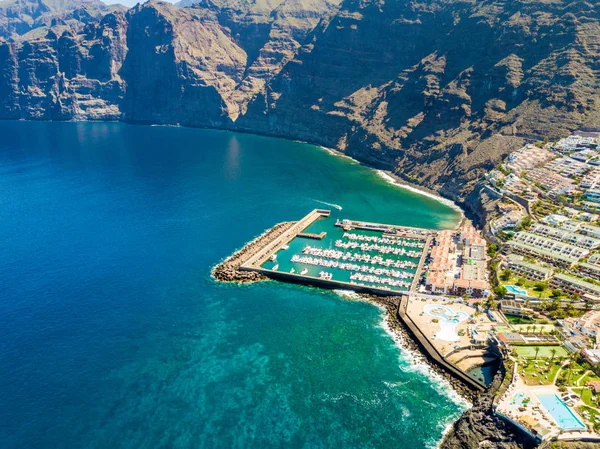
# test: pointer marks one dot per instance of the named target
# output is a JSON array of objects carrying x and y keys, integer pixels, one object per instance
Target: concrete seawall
[{"x": 432, "y": 352}]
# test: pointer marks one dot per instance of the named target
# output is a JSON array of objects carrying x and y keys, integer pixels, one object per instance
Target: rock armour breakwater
[{"x": 229, "y": 269}]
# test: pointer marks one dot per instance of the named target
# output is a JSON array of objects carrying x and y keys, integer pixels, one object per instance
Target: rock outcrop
[{"x": 438, "y": 90}]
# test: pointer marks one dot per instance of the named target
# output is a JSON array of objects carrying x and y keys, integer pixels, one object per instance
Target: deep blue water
[{"x": 113, "y": 335}]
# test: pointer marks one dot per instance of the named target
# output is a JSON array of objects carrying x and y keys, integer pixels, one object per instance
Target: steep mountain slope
[
  {"x": 18, "y": 17},
  {"x": 438, "y": 90}
]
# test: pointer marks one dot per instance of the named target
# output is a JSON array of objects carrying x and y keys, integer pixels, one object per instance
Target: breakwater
[{"x": 229, "y": 269}]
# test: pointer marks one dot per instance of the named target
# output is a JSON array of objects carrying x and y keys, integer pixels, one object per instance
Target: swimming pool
[
  {"x": 563, "y": 415},
  {"x": 519, "y": 399},
  {"x": 448, "y": 319},
  {"x": 516, "y": 290}
]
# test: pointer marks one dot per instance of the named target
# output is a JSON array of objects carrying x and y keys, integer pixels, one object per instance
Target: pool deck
[{"x": 534, "y": 417}]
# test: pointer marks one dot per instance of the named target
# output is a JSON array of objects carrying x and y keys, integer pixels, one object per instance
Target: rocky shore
[
  {"x": 478, "y": 427},
  {"x": 229, "y": 269}
]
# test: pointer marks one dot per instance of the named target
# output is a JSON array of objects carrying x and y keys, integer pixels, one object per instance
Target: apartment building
[
  {"x": 574, "y": 285},
  {"x": 586, "y": 269},
  {"x": 566, "y": 236},
  {"x": 531, "y": 271}
]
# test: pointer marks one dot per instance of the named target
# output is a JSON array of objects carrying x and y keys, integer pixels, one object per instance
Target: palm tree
[
  {"x": 528, "y": 329},
  {"x": 534, "y": 328},
  {"x": 537, "y": 351},
  {"x": 553, "y": 352}
]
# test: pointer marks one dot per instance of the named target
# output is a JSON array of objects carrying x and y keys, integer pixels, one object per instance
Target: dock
[
  {"x": 388, "y": 230},
  {"x": 308, "y": 235}
]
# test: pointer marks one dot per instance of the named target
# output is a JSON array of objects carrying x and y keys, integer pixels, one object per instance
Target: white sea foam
[
  {"x": 410, "y": 188},
  {"x": 337, "y": 206},
  {"x": 418, "y": 363},
  {"x": 339, "y": 154}
]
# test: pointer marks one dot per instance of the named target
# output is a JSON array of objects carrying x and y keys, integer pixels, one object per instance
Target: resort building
[
  {"x": 584, "y": 155},
  {"x": 567, "y": 167},
  {"x": 554, "y": 219},
  {"x": 566, "y": 236},
  {"x": 571, "y": 225},
  {"x": 440, "y": 277},
  {"x": 457, "y": 263},
  {"x": 593, "y": 357},
  {"x": 589, "y": 229},
  {"x": 550, "y": 181},
  {"x": 510, "y": 216},
  {"x": 591, "y": 270},
  {"x": 592, "y": 195},
  {"x": 551, "y": 257},
  {"x": 545, "y": 245},
  {"x": 588, "y": 324},
  {"x": 574, "y": 285},
  {"x": 595, "y": 259},
  {"x": 575, "y": 143},
  {"x": 586, "y": 216},
  {"x": 530, "y": 271},
  {"x": 528, "y": 158},
  {"x": 509, "y": 307},
  {"x": 591, "y": 180}
]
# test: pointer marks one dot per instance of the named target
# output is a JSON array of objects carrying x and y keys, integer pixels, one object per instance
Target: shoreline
[
  {"x": 390, "y": 322},
  {"x": 391, "y": 177},
  {"x": 452, "y": 388},
  {"x": 396, "y": 180}
]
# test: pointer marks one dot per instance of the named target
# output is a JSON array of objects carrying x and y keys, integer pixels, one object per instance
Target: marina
[{"x": 361, "y": 256}]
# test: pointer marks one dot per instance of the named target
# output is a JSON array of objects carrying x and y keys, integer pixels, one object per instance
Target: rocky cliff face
[{"x": 437, "y": 90}]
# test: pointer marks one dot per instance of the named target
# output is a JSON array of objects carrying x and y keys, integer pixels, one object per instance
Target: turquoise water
[
  {"x": 285, "y": 263},
  {"x": 562, "y": 414},
  {"x": 516, "y": 290},
  {"x": 114, "y": 335}
]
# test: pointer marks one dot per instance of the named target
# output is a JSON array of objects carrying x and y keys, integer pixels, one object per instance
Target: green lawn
[
  {"x": 571, "y": 375},
  {"x": 528, "y": 285},
  {"x": 542, "y": 373},
  {"x": 544, "y": 352},
  {"x": 586, "y": 396},
  {"x": 514, "y": 319},
  {"x": 593, "y": 417},
  {"x": 588, "y": 377}
]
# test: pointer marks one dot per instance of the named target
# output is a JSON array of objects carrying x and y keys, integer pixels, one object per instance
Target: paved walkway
[{"x": 565, "y": 363}]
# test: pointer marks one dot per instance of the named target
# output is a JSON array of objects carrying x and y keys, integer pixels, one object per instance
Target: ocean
[{"x": 114, "y": 335}]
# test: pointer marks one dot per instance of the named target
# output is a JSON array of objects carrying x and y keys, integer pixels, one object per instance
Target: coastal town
[{"x": 522, "y": 297}]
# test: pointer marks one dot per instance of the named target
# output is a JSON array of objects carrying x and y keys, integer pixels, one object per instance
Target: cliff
[{"x": 438, "y": 90}]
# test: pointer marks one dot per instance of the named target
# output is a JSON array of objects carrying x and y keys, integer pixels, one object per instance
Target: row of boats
[
  {"x": 384, "y": 240},
  {"x": 377, "y": 280},
  {"x": 357, "y": 257},
  {"x": 382, "y": 249},
  {"x": 318, "y": 261}
]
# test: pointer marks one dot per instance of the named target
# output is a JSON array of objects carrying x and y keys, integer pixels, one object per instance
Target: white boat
[
  {"x": 274, "y": 257},
  {"x": 304, "y": 271},
  {"x": 292, "y": 270},
  {"x": 275, "y": 267},
  {"x": 284, "y": 247}
]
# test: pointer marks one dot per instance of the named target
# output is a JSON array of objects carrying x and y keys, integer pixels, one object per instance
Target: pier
[
  {"x": 308, "y": 235},
  {"x": 263, "y": 254}
]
